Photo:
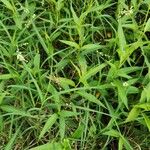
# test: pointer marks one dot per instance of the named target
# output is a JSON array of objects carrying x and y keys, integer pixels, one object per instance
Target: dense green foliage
[{"x": 74, "y": 74}]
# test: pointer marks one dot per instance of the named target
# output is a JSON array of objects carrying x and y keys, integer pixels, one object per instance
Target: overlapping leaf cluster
[{"x": 74, "y": 74}]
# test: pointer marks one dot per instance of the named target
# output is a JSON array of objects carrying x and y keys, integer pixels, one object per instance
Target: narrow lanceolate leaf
[
  {"x": 62, "y": 127},
  {"x": 37, "y": 62},
  {"x": 112, "y": 133},
  {"x": 90, "y": 98},
  {"x": 48, "y": 125},
  {"x": 7, "y": 76},
  {"x": 75, "y": 17},
  {"x": 35, "y": 82},
  {"x": 145, "y": 106},
  {"x": 82, "y": 64},
  {"x": 71, "y": 44},
  {"x": 90, "y": 48},
  {"x": 122, "y": 141},
  {"x": 145, "y": 95},
  {"x": 66, "y": 81},
  {"x": 65, "y": 113},
  {"x": 41, "y": 40},
  {"x": 126, "y": 143},
  {"x": 18, "y": 20},
  {"x": 14, "y": 111},
  {"x": 92, "y": 72},
  {"x": 79, "y": 131},
  {"x": 133, "y": 114},
  {"x": 120, "y": 144},
  {"x": 122, "y": 41}
]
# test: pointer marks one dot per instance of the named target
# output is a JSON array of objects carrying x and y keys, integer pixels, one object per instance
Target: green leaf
[
  {"x": 77, "y": 69},
  {"x": 126, "y": 143},
  {"x": 62, "y": 127},
  {"x": 66, "y": 145},
  {"x": 41, "y": 40},
  {"x": 48, "y": 125},
  {"x": 122, "y": 40},
  {"x": 147, "y": 121},
  {"x": 145, "y": 95},
  {"x": 18, "y": 20},
  {"x": 120, "y": 144},
  {"x": 92, "y": 72},
  {"x": 61, "y": 65},
  {"x": 128, "y": 70},
  {"x": 7, "y": 4},
  {"x": 63, "y": 82},
  {"x": 65, "y": 113},
  {"x": 7, "y": 76},
  {"x": 83, "y": 64},
  {"x": 2, "y": 96},
  {"x": 145, "y": 106},
  {"x": 49, "y": 146},
  {"x": 66, "y": 81},
  {"x": 112, "y": 133},
  {"x": 71, "y": 44},
  {"x": 122, "y": 139},
  {"x": 92, "y": 130},
  {"x": 90, "y": 48},
  {"x": 78, "y": 132},
  {"x": 147, "y": 26},
  {"x": 51, "y": 89},
  {"x": 15, "y": 111},
  {"x": 34, "y": 81},
  {"x": 121, "y": 92},
  {"x": 75, "y": 18},
  {"x": 129, "y": 50},
  {"x": 133, "y": 114},
  {"x": 90, "y": 98},
  {"x": 37, "y": 62}
]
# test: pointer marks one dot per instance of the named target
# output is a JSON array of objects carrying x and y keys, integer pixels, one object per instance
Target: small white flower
[
  {"x": 127, "y": 12},
  {"x": 125, "y": 84},
  {"x": 20, "y": 57},
  {"x": 33, "y": 16}
]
